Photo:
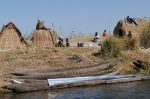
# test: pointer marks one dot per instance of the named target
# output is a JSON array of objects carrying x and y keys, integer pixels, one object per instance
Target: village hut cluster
[
  {"x": 103, "y": 73},
  {"x": 11, "y": 37}
]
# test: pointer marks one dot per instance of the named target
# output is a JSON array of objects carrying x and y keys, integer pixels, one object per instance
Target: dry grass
[
  {"x": 82, "y": 38},
  {"x": 57, "y": 58},
  {"x": 126, "y": 65},
  {"x": 42, "y": 58},
  {"x": 145, "y": 37}
]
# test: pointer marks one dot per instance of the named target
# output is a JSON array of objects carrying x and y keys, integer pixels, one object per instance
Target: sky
[{"x": 71, "y": 16}]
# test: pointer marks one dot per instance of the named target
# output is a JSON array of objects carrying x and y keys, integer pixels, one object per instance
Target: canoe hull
[{"x": 39, "y": 86}]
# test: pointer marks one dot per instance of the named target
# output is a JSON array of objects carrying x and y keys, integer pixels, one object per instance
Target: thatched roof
[
  {"x": 10, "y": 37},
  {"x": 123, "y": 28},
  {"x": 43, "y": 37},
  {"x": 40, "y": 25}
]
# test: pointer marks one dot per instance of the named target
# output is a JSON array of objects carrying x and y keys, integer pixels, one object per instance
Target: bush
[
  {"x": 145, "y": 37},
  {"x": 112, "y": 46},
  {"x": 130, "y": 43}
]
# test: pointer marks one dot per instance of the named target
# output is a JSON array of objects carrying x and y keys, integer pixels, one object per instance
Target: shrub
[
  {"x": 145, "y": 37},
  {"x": 130, "y": 43},
  {"x": 112, "y": 46}
]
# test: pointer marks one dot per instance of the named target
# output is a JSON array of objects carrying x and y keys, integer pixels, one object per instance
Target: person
[
  {"x": 60, "y": 42},
  {"x": 131, "y": 20},
  {"x": 104, "y": 33},
  {"x": 96, "y": 37},
  {"x": 67, "y": 42},
  {"x": 80, "y": 44}
]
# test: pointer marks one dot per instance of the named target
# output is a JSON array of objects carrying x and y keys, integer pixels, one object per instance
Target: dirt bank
[{"x": 57, "y": 58}]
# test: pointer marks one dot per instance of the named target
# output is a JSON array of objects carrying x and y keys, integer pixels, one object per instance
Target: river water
[{"x": 132, "y": 90}]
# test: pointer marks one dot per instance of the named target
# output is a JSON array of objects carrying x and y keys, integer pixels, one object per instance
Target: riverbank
[{"x": 57, "y": 58}]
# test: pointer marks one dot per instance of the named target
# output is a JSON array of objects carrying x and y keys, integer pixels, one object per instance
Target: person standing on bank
[
  {"x": 96, "y": 37},
  {"x": 104, "y": 34},
  {"x": 67, "y": 42}
]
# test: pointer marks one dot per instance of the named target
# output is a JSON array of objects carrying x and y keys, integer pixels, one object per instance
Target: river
[{"x": 132, "y": 90}]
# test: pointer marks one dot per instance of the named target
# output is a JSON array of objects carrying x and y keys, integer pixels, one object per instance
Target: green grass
[
  {"x": 111, "y": 47},
  {"x": 131, "y": 43}
]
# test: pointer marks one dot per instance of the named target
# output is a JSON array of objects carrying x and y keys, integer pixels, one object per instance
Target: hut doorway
[{"x": 120, "y": 33}]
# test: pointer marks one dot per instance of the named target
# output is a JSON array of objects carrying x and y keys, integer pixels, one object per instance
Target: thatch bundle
[
  {"x": 40, "y": 25},
  {"x": 124, "y": 28},
  {"x": 43, "y": 37},
  {"x": 10, "y": 37}
]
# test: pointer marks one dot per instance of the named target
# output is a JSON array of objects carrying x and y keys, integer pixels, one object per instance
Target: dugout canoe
[
  {"x": 69, "y": 72},
  {"x": 45, "y": 77},
  {"x": 112, "y": 72},
  {"x": 39, "y": 86}
]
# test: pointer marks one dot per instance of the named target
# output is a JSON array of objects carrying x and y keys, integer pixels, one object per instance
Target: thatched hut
[
  {"x": 43, "y": 37},
  {"x": 10, "y": 37},
  {"x": 124, "y": 28}
]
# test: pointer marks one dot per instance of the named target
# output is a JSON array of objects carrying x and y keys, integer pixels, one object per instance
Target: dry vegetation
[
  {"x": 57, "y": 58},
  {"x": 128, "y": 50},
  {"x": 10, "y": 37},
  {"x": 126, "y": 65},
  {"x": 145, "y": 37},
  {"x": 42, "y": 58}
]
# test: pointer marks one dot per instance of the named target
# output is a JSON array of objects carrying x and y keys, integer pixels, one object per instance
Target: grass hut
[
  {"x": 11, "y": 38},
  {"x": 124, "y": 28},
  {"x": 43, "y": 37}
]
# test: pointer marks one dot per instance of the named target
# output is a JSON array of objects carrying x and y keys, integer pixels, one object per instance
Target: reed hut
[
  {"x": 11, "y": 38},
  {"x": 43, "y": 36},
  {"x": 125, "y": 29}
]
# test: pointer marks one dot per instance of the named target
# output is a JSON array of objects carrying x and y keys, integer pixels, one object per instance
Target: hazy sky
[{"x": 81, "y": 16}]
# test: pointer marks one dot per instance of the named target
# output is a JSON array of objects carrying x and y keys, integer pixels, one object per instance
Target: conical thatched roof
[
  {"x": 43, "y": 37},
  {"x": 123, "y": 28},
  {"x": 10, "y": 37}
]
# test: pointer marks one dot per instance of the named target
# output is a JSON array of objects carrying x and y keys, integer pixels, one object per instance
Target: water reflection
[
  {"x": 134, "y": 90},
  {"x": 32, "y": 95}
]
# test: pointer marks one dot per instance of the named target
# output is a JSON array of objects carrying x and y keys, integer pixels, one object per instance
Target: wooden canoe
[
  {"x": 45, "y": 77},
  {"x": 59, "y": 81},
  {"x": 103, "y": 73},
  {"x": 70, "y": 72},
  {"x": 39, "y": 86},
  {"x": 102, "y": 66}
]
